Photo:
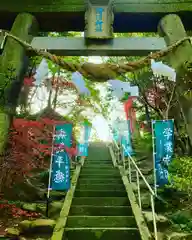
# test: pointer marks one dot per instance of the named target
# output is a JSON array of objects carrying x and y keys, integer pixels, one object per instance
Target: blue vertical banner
[
  {"x": 163, "y": 146},
  {"x": 82, "y": 149},
  {"x": 126, "y": 140},
  {"x": 99, "y": 19},
  {"x": 60, "y": 172},
  {"x": 116, "y": 131},
  {"x": 63, "y": 134},
  {"x": 115, "y": 135},
  {"x": 87, "y": 129},
  {"x": 84, "y": 143}
]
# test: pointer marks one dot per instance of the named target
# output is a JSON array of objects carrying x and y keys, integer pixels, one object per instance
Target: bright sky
[{"x": 99, "y": 123}]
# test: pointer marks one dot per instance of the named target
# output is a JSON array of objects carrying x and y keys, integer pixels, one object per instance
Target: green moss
[
  {"x": 79, "y": 5},
  {"x": 99, "y": 233}
]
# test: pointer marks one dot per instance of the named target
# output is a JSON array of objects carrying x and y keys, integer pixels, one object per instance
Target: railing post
[
  {"x": 138, "y": 189},
  {"x": 154, "y": 168},
  {"x": 130, "y": 178},
  {"x": 154, "y": 217},
  {"x": 123, "y": 157}
]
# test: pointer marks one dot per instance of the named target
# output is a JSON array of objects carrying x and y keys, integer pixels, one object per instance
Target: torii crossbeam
[{"x": 68, "y": 46}]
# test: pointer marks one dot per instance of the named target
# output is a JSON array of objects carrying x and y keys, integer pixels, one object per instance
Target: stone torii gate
[{"x": 64, "y": 15}]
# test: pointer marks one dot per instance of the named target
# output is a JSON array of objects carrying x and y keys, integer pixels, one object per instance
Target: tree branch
[
  {"x": 157, "y": 110},
  {"x": 169, "y": 102}
]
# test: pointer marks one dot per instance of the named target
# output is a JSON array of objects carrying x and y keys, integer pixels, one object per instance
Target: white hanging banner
[
  {"x": 41, "y": 72},
  {"x": 160, "y": 69},
  {"x": 79, "y": 82}
]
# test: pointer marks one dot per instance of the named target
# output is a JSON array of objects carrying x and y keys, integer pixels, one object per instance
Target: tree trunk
[
  {"x": 12, "y": 69},
  {"x": 172, "y": 29}
]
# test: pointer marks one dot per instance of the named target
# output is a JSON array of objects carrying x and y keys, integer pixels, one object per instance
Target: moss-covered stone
[
  {"x": 54, "y": 209},
  {"x": 43, "y": 223},
  {"x": 12, "y": 69},
  {"x": 101, "y": 221},
  {"x": 30, "y": 207},
  {"x": 12, "y": 232},
  {"x": 41, "y": 208},
  {"x": 180, "y": 236},
  {"x": 25, "y": 225},
  {"x": 161, "y": 221},
  {"x": 102, "y": 233},
  {"x": 38, "y": 225}
]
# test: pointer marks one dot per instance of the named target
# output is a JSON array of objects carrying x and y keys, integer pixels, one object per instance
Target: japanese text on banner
[
  {"x": 126, "y": 139},
  {"x": 163, "y": 149},
  {"x": 60, "y": 176},
  {"x": 83, "y": 145},
  {"x": 99, "y": 19},
  {"x": 61, "y": 171},
  {"x": 63, "y": 134}
]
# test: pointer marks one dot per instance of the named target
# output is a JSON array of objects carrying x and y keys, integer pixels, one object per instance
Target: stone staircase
[{"x": 100, "y": 208}]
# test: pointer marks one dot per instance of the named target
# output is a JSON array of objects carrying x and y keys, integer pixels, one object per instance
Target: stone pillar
[
  {"x": 172, "y": 29},
  {"x": 12, "y": 69}
]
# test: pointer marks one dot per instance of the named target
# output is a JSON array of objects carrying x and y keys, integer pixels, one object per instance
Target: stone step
[
  {"x": 98, "y": 162},
  {"x": 100, "y": 181},
  {"x": 101, "y": 221},
  {"x": 100, "y": 193},
  {"x": 101, "y": 201},
  {"x": 86, "y": 210},
  {"x": 91, "y": 176},
  {"x": 108, "y": 186},
  {"x": 98, "y": 166},
  {"x": 142, "y": 185},
  {"x": 100, "y": 171},
  {"x": 102, "y": 233},
  {"x": 98, "y": 157}
]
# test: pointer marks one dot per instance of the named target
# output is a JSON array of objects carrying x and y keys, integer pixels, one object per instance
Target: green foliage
[
  {"x": 52, "y": 67},
  {"x": 87, "y": 122},
  {"x": 125, "y": 97},
  {"x": 183, "y": 219},
  {"x": 181, "y": 174},
  {"x": 144, "y": 143}
]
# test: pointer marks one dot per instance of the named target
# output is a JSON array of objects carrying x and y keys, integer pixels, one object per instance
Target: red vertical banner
[
  {"x": 127, "y": 107},
  {"x": 133, "y": 119},
  {"x": 130, "y": 112}
]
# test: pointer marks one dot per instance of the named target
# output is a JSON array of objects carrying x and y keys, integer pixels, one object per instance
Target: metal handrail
[
  {"x": 141, "y": 174},
  {"x": 138, "y": 174}
]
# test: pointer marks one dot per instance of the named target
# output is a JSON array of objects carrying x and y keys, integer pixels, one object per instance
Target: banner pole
[
  {"x": 153, "y": 143},
  {"x": 50, "y": 173}
]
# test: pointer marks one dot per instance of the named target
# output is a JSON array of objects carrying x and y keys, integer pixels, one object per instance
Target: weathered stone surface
[{"x": 13, "y": 57}]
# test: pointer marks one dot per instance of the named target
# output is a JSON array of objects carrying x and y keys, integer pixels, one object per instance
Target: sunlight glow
[{"x": 100, "y": 126}]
